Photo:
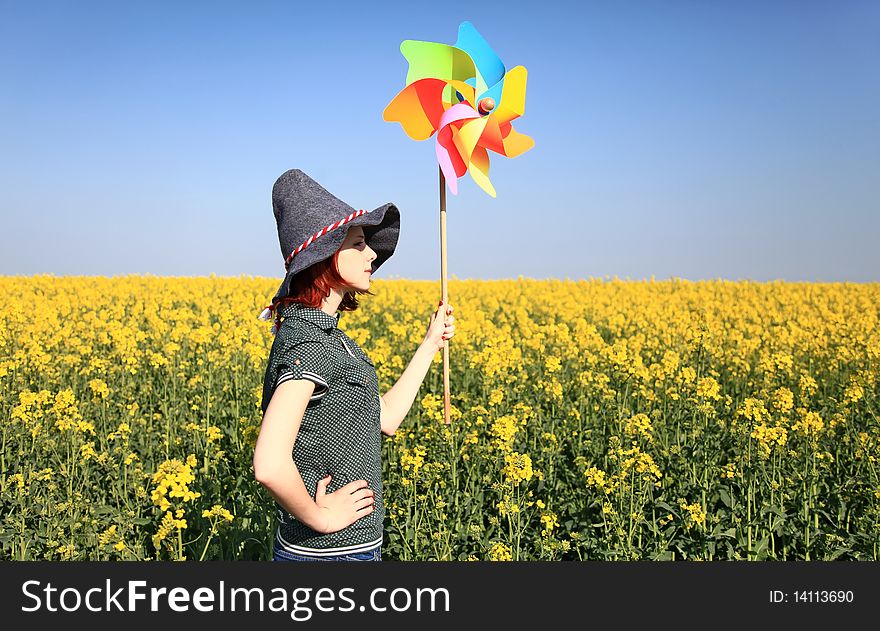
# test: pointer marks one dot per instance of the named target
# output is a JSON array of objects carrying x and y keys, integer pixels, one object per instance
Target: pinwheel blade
[
  {"x": 513, "y": 96},
  {"x": 436, "y": 61},
  {"x": 479, "y": 170},
  {"x": 515, "y": 143},
  {"x": 491, "y": 138},
  {"x": 452, "y": 162},
  {"x": 418, "y": 108},
  {"x": 468, "y": 136},
  {"x": 448, "y": 157},
  {"x": 490, "y": 68}
]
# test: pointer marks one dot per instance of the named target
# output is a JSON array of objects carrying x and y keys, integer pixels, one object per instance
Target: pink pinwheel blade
[{"x": 451, "y": 162}]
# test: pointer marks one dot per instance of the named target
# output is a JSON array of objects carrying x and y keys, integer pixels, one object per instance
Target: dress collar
[{"x": 315, "y": 316}]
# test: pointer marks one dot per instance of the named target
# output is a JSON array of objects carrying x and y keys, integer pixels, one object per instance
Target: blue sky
[{"x": 691, "y": 139}]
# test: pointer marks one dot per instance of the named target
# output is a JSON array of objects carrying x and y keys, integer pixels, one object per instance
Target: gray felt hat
[{"x": 312, "y": 224}]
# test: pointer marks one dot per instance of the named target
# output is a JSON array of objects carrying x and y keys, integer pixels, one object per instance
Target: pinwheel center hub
[{"x": 486, "y": 105}]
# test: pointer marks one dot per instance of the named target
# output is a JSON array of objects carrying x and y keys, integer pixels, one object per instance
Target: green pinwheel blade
[{"x": 436, "y": 61}]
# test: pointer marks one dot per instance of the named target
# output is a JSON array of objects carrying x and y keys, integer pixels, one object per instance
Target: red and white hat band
[{"x": 321, "y": 233}]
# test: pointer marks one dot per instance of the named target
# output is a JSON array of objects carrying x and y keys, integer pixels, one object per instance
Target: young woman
[{"x": 321, "y": 401}]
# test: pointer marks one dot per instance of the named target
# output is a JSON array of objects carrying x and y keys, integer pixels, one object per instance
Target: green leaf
[
  {"x": 760, "y": 550},
  {"x": 838, "y": 552},
  {"x": 730, "y": 533}
]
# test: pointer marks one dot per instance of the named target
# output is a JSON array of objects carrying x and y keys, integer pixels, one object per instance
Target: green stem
[{"x": 208, "y": 542}]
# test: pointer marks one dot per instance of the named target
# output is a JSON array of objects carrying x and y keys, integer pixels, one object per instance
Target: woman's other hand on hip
[{"x": 344, "y": 506}]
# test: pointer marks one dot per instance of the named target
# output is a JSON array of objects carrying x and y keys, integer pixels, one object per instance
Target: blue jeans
[{"x": 280, "y": 554}]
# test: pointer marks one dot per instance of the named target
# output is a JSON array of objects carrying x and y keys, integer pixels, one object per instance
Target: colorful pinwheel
[{"x": 465, "y": 95}]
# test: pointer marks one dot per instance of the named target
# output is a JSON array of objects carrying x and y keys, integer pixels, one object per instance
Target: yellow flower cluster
[
  {"x": 688, "y": 375},
  {"x": 99, "y": 388},
  {"x": 808, "y": 423},
  {"x": 87, "y": 452},
  {"x": 213, "y": 434},
  {"x": 42, "y": 475},
  {"x": 111, "y": 537},
  {"x": 17, "y": 479},
  {"x": 517, "y": 468},
  {"x": 596, "y": 478},
  {"x": 708, "y": 388},
  {"x": 552, "y": 364},
  {"x": 31, "y": 410},
  {"x": 549, "y": 522},
  {"x": 507, "y": 506},
  {"x": 769, "y": 437},
  {"x": 66, "y": 411},
  {"x": 496, "y": 397},
  {"x": 67, "y": 551},
  {"x": 123, "y": 431},
  {"x": 754, "y": 410},
  {"x": 636, "y": 459},
  {"x": 498, "y": 358},
  {"x": 854, "y": 392},
  {"x": 412, "y": 460},
  {"x": 776, "y": 363},
  {"x": 432, "y": 406},
  {"x": 695, "y": 514},
  {"x": 169, "y": 524},
  {"x": 172, "y": 481},
  {"x": 807, "y": 385},
  {"x": 783, "y": 400},
  {"x": 217, "y": 511},
  {"x": 503, "y": 432},
  {"x": 639, "y": 425},
  {"x": 500, "y": 552}
]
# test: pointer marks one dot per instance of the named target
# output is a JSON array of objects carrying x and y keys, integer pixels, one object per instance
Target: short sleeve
[{"x": 305, "y": 360}]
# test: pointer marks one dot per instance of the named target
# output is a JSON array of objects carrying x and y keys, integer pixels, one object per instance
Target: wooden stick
[{"x": 445, "y": 293}]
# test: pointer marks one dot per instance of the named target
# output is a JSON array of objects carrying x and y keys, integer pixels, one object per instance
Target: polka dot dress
[{"x": 340, "y": 433}]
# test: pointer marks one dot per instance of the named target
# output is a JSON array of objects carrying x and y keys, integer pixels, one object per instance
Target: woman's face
[{"x": 355, "y": 259}]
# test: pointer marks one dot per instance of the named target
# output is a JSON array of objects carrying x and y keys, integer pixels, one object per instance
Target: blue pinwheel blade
[{"x": 487, "y": 63}]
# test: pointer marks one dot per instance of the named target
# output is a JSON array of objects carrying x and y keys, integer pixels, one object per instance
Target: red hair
[{"x": 310, "y": 286}]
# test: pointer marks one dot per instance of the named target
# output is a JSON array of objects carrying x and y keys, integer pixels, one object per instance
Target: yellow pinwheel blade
[
  {"x": 479, "y": 170},
  {"x": 516, "y": 143},
  {"x": 513, "y": 96},
  {"x": 466, "y": 91},
  {"x": 468, "y": 136}
]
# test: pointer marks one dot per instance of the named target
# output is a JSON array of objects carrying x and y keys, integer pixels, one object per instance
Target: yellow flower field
[{"x": 598, "y": 419}]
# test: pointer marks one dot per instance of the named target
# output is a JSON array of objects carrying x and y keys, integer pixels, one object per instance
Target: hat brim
[{"x": 381, "y": 230}]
